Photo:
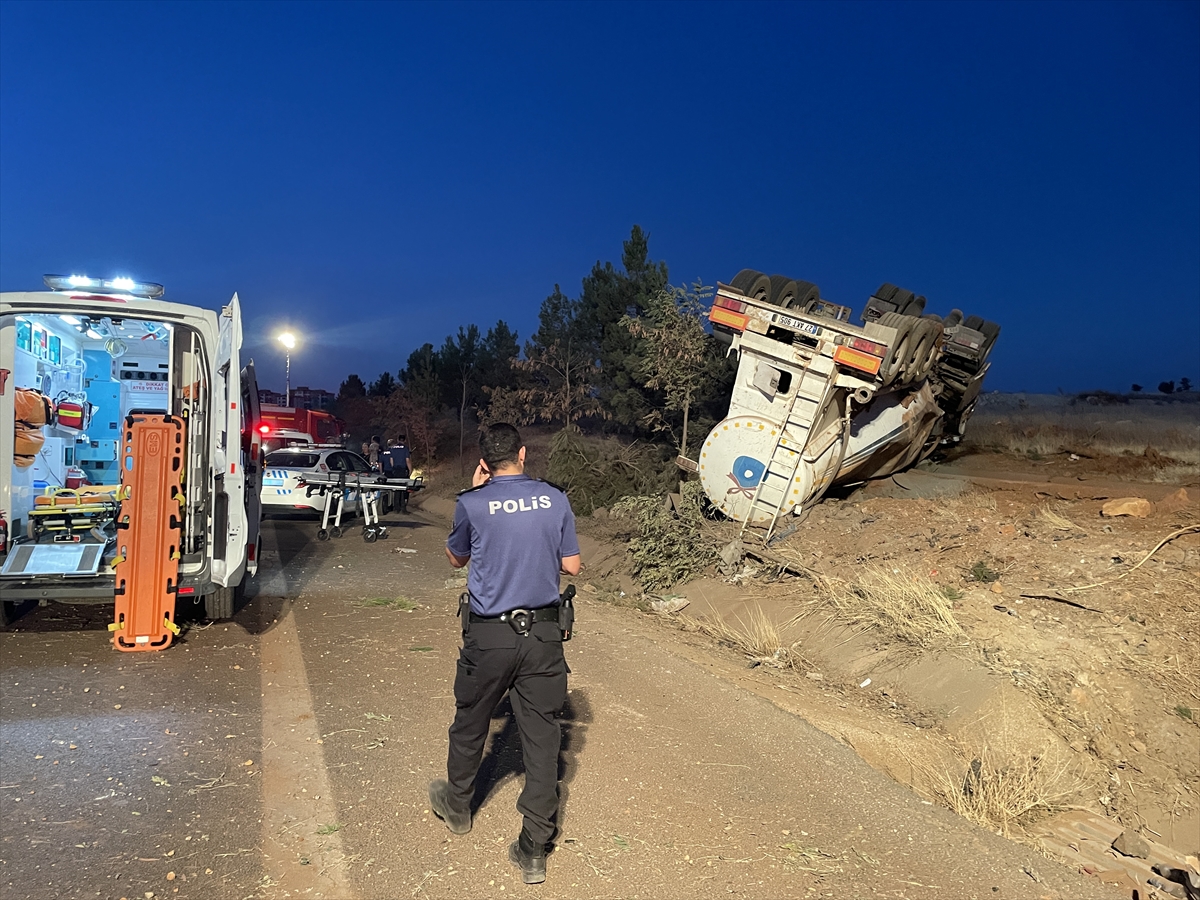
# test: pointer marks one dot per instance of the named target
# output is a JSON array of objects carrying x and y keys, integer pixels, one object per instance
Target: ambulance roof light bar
[{"x": 146, "y": 290}]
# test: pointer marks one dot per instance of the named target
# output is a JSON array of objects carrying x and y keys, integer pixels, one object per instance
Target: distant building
[
  {"x": 312, "y": 398},
  {"x": 302, "y": 398}
]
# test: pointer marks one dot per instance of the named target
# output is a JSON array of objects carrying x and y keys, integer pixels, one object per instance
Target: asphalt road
[{"x": 286, "y": 754}]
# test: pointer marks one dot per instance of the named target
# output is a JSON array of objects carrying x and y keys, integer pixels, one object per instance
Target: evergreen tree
[
  {"x": 382, "y": 386},
  {"x": 608, "y": 296},
  {"x": 555, "y": 382},
  {"x": 352, "y": 387},
  {"x": 421, "y": 376},
  {"x": 497, "y": 354}
]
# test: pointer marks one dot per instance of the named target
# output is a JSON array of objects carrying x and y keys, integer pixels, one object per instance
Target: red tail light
[
  {"x": 186, "y": 590},
  {"x": 871, "y": 347},
  {"x": 730, "y": 303},
  {"x": 264, "y": 429}
]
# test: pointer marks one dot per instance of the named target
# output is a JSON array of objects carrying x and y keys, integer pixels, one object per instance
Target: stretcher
[
  {"x": 364, "y": 488},
  {"x": 66, "y": 515}
]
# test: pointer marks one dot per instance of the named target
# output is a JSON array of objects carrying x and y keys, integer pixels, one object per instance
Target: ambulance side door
[
  {"x": 252, "y": 458},
  {"x": 229, "y": 527}
]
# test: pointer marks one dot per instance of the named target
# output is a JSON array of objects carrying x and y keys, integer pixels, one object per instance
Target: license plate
[{"x": 795, "y": 324}]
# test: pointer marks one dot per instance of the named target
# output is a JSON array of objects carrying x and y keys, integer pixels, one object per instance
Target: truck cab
[{"x": 82, "y": 364}]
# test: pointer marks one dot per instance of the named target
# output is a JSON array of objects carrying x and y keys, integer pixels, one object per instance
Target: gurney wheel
[
  {"x": 322, "y": 534},
  {"x": 369, "y": 535},
  {"x": 336, "y": 531},
  {"x": 382, "y": 532}
]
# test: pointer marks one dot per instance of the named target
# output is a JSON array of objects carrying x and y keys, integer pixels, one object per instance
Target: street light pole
[{"x": 289, "y": 342}]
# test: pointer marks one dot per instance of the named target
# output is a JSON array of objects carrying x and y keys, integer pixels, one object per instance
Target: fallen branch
[
  {"x": 1187, "y": 529},
  {"x": 1032, "y": 595},
  {"x": 792, "y": 568}
]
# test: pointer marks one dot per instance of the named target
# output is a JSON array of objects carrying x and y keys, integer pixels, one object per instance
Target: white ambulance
[{"x": 82, "y": 366}]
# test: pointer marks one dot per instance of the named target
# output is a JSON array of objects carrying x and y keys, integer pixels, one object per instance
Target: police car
[{"x": 282, "y": 470}]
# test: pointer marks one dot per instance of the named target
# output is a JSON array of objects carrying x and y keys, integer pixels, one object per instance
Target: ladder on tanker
[{"x": 795, "y": 433}]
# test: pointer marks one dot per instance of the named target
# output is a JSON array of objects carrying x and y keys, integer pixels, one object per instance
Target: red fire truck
[{"x": 285, "y": 426}]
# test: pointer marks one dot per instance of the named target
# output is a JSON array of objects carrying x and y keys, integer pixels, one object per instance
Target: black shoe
[
  {"x": 529, "y": 858},
  {"x": 439, "y": 802}
]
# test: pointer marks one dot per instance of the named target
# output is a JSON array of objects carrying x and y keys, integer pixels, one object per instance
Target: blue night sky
[{"x": 376, "y": 175}]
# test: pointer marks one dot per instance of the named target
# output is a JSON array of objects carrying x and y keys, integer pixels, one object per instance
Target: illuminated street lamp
[{"x": 289, "y": 342}]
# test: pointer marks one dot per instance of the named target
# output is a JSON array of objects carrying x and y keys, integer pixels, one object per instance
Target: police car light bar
[{"x": 146, "y": 290}]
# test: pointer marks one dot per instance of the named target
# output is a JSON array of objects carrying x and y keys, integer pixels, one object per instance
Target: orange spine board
[{"x": 149, "y": 532}]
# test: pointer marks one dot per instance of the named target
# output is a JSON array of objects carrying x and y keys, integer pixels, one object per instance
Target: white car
[{"x": 283, "y": 468}]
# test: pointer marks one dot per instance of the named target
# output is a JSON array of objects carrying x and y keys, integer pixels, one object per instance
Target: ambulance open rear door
[{"x": 234, "y": 524}]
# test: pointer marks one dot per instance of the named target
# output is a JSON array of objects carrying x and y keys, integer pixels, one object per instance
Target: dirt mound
[{"x": 1078, "y": 698}]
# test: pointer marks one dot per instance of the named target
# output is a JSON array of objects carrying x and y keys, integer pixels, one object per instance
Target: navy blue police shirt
[
  {"x": 395, "y": 461},
  {"x": 517, "y": 532}
]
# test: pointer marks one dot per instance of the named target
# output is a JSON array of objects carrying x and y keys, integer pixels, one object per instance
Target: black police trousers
[{"x": 532, "y": 669}]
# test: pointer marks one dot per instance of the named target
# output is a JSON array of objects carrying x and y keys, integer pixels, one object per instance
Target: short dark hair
[{"x": 500, "y": 444}]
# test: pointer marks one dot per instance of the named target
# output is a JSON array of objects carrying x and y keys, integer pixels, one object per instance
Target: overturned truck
[{"x": 819, "y": 401}]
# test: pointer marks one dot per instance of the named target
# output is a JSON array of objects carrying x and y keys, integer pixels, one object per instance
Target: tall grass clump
[
  {"x": 909, "y": 607},
  {"x": 756, "y": 636},
  {"x": 1002, "y": 796}
]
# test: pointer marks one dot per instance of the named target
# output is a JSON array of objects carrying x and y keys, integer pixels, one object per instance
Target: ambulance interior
[{"x": 77, "y": 379}]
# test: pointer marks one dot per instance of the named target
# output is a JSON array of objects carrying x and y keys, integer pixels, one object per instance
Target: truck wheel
[
  {"x": 913, "y": 306},
  {"x": 901, "y": 350},
  {"x": 990, "y": 331},
  {"x": 223, "y": 601},
  {"x": 8, "y": 611},
  {"x": 783, "y": 291},
  {"x": 807, "y": 295},
  {"x": 753, "y": 284},
  {"x": 953, "y": 319},
  {"x": 928, "y": 331}
]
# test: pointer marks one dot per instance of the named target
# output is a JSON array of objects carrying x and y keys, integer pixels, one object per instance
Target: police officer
[{"x": 519, "y": 536}]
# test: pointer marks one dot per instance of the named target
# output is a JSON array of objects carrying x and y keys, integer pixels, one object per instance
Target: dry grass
[
  {"x": 756, "y": 636},
  {"x": 1004, "y": 797},
  {"x": 907, "y": 606},
  {"x": 1055, "y": 520},
  {"x": 1043, "y": 426}
]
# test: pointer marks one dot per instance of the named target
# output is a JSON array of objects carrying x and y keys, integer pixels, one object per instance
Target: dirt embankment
[{"x": 1053, "y": 664}]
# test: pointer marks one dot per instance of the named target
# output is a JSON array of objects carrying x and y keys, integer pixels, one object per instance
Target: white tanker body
[{"x": 819, "y": 401}]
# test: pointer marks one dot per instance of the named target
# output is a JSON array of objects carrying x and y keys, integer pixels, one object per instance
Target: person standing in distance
[
  {"x": 519, "y": 536},
  {"x": 397, "y": 463}
]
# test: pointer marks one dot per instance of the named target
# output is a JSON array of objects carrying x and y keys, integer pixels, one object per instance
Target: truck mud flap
[{"x": 149, "y": 532}]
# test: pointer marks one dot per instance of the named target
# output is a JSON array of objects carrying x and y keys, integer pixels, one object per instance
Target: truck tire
[
  {"x": 783, "y": 291},
  {"x": 8, "y": 611},
  {"x": 990, "y": 331},
  {"x": 807, "y": 295},
  {"x": 901, "y": 350},
  {"x": 914, "y": 305},
  {"x": 929, "y": 332},
  {"x": 753, "y": 284},
  {"x": 953, "y": 318},
  {"x": 223, "y": 602}
]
